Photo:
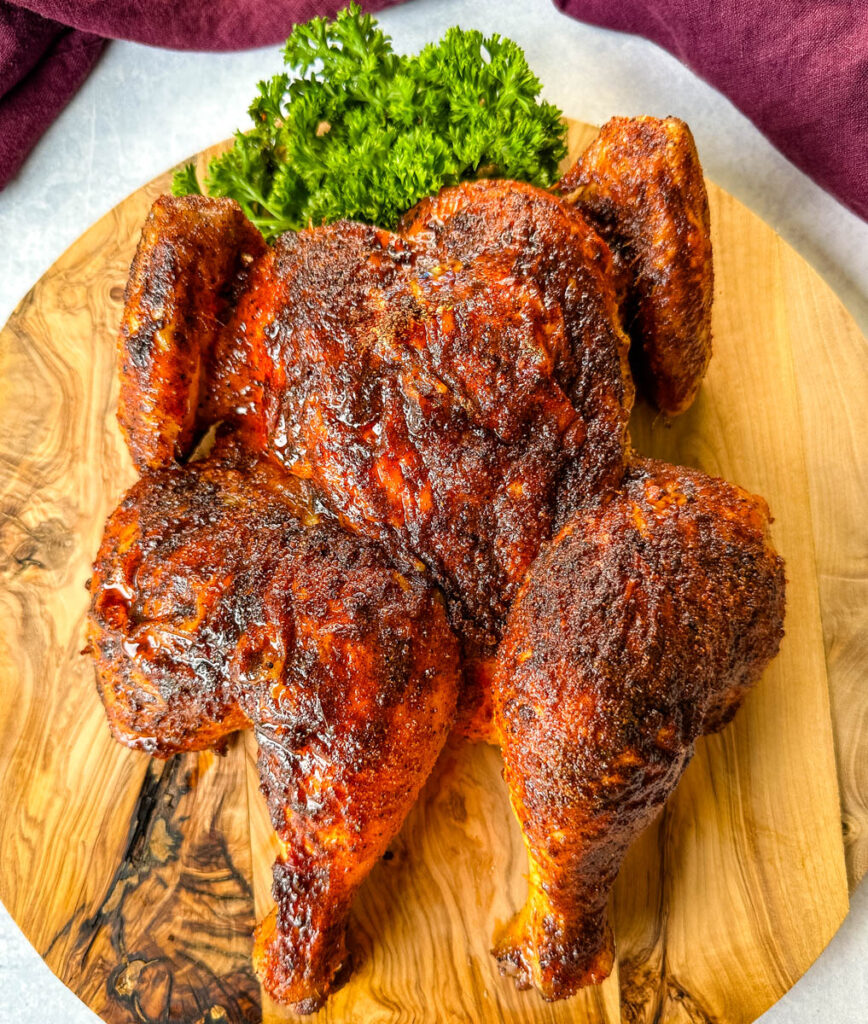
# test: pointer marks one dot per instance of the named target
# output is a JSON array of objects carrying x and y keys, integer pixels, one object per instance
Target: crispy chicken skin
[
  {"x": 220, "y": 602},
  {"x": 423, "y": 474},
  {"x": 521, "y": 236},
  {"x": 641, "y": 183},
  {"x": 438, "y": 389},
  {"x": 188, "y": 268},
  {"x": 640, "y": 628},
  {"x": 436, "y": 395}
]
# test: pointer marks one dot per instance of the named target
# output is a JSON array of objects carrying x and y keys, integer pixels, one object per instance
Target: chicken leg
[
  {"x": 639, "y": 629},
  {"x": 220, "y": 602}
]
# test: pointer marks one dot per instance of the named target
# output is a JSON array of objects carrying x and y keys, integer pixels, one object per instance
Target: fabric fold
[
  {"x": 797, "y": 68},
  {"x": 42, "y": 65}
]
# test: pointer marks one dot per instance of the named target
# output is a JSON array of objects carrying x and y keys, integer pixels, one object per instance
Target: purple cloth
[
  {"x": 42, "y": 64},
  {"x": 797, "y": 68},
  {"x": 48, "y": 47}
]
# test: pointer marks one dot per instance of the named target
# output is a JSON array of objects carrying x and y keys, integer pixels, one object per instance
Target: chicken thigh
[
  {"x": 220, "y": 601},
  {"x": 641, "y": 627}
]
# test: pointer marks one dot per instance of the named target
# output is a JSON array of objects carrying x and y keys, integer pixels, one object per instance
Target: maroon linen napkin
[
  {"x": 797, "y": 68},
  {"x": 48, "y": 47},
  {"x": 42, "y": 64}
]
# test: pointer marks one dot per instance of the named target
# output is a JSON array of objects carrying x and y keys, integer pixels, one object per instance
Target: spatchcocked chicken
[{"x": 422, "y": 512}]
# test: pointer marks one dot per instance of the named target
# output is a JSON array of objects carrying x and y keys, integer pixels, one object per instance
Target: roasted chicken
[
  {"x": 422, "y": 485},
  {"x": 640, "y": 627},
  {"x": 222, "y": 602}
]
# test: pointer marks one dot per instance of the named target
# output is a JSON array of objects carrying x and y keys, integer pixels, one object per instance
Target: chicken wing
[
  {"x": 641, "y": 183},
  {"x": 641, "y": 627},
  {"x": 190, "y": 263},
  {"x": 220, "y": 600}
]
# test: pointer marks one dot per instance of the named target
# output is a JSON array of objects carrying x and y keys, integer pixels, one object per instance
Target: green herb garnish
[{"x": 361, "y": 132}]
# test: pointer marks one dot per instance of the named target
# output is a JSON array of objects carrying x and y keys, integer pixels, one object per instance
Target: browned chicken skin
[
  {"x": 641, "y": 183},
  {"x": 220, "y": 602},
  {"x": 639, "y": 628},
  {"x": 190, "y": 265},
  {"x": 438, "y": 389},
  {"x": 414, "y": 414}
]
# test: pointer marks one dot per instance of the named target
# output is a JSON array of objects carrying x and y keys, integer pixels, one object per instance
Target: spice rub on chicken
[
  {"x": 423, "y": 473},
  {"x": 222, "y": 602},
  {"x": 640, "y": 628}
]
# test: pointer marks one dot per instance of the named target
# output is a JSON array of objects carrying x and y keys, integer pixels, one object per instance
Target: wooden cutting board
[{"x": 139, "y": 881}]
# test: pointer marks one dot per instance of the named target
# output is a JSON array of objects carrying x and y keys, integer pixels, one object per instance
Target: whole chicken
[{"x": 423, "y": 485}]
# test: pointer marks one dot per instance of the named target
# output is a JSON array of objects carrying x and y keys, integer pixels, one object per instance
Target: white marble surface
[{"x": 143, "y": 110}]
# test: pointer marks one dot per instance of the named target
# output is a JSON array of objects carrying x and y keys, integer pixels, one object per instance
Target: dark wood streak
[
  {"x": 642, "y": 926},
  {"x": 649, "y": 990},
  {"x": 689, "y": 1007},
  {"x": 171, "y": 936}
]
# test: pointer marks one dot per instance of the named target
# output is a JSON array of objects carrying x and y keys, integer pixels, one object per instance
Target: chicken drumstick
[
  {"x": 220, "y": 603},
  {"x": 640, "y": 628}
]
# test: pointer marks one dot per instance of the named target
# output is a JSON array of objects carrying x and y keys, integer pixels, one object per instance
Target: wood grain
[
  {"x": 139, "y": 882},
  {"x": 830, "y": 357}
]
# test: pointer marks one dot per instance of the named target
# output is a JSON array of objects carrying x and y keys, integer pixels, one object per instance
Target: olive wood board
[{"x": 139, "y": 881}]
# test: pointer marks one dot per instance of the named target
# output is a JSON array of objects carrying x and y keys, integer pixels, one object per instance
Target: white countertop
[{"x": 143, "y": 110}]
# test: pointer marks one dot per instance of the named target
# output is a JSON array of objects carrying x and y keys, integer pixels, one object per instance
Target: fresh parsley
[{"x": 361, "y": 132}]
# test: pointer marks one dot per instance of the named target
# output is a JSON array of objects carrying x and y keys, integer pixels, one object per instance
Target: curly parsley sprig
[{"x": 361, "y": 132}]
